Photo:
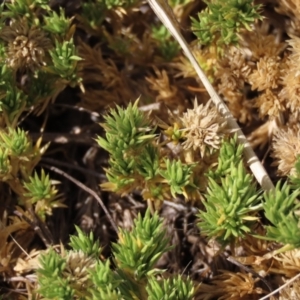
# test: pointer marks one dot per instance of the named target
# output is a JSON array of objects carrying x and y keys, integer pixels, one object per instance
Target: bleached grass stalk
[
  {"x": 166, "y": 15},
  {"x": 281, "y": 287}
]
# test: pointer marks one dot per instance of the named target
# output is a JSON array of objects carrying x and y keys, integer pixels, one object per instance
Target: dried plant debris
[{"x": 286, "y": 149}]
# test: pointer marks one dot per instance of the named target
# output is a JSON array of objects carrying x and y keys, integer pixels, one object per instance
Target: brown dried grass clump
[{"x": 229, "y": 285}]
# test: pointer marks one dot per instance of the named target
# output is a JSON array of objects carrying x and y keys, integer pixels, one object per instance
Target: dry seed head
[
  {"x": 269, "y": 104},
  {"x": 291, "y": 76},
  {"x": 291, "y": 90},
  {"x": 26, "y": 46},
  {"x": 262, "y": 44},
  {"x": 161, "y": 84},
  {"x": 294, "y": 44},
  {"x": 288, "y": 263},
  {"x": 267, "y": 74},
  {"x": 77, "y": 266},
  {"x": 286, "y": 148},
  {"x": 235, "y": 64},
  {"x": 203, "y": 128}
]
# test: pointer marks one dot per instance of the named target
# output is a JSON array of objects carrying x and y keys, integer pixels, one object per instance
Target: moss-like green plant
[
  {"x": 281, "y": 208},
  {"x": 170, "y": 289},
  {"x": 65, "y": 60},
  {"x": 84, "y": 243},
  {"x": 20, "y": 8},
  {"x": 231, "y": 153},
  {"x": 12, "y": 99},
  {"x": 16, "y": 142},
  {"x": 35, "y": 41},
  {"x": 136, "y": 161},
  {"x": 94, "y": 12},
  {"x": 127, "y": 135},
  {"x": 166, "y": 45},
  {"x": 221, "y": 21},
  {"x": 57, "y": 23},
  {"x": 232, "y": 200},
  {"x": 41, "y": 192},
  {"x": 52, "y": 284},
  {"x": 178, "y": 176},
  {"x": 127, "y": 130},
  {"x": 62, "y": 276}
]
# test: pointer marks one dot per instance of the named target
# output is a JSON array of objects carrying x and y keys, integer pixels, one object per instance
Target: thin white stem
[
  {"x": 165, "y": 14},
  {"x": 281, "y": 287}
]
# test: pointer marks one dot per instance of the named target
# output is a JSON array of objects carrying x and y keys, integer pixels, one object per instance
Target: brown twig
[
  {"x": 45, "y": 234},
  {"x": 88, "y": 190},
  {"x": 68, "y": 165}
]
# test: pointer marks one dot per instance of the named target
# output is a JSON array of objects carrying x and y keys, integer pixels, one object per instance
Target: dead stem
[{"x": 88, "y": 190}]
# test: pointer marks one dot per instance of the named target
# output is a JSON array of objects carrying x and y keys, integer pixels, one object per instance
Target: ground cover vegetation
[{"x": 120, "y": 177}]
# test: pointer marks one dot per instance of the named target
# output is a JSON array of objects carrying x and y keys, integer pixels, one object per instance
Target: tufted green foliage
[
  {"x": 230, "y": 154},
  {"x": 221, "y": 21},
  {"x": 126, "y": 129},
  {"x": 41, "y": 191},
  {"x": 166, "y": 44},
  {"x": 19, "y": 8},
  {"x": 12, "y": 99},
  {"x": 136, "y": 161},
  {"x": 133, "y": 275},
  {"x": 178, "y": 176},
  {"x": 128, "y": 133},
  {"x": 15, "y": 141},
  {"x": 65, "y": 60},
  {"x": 57, "y": 23},
  {"x": 85, "y": 243},
  {"x": 281, "y": 208},
  {"x": 52, "y": 284},
  {"x": 105, "y": 282},
  {"x": 232, "y": 200},
  {"x": 39, "y": 187},
  {"x": 17, "y": 155},
  {"x": 171, "y": 289},
  {"x": 149, "y": 169},
  {"x": 139, "y": 250}
]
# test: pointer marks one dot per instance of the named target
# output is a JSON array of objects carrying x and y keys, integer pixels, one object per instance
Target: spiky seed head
[
  {"x": 77, "y": 266},
  {"x": 204, "y": 128},
  {"x": 27, "y": 46},
  {"x": 286, "y": 148}
]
